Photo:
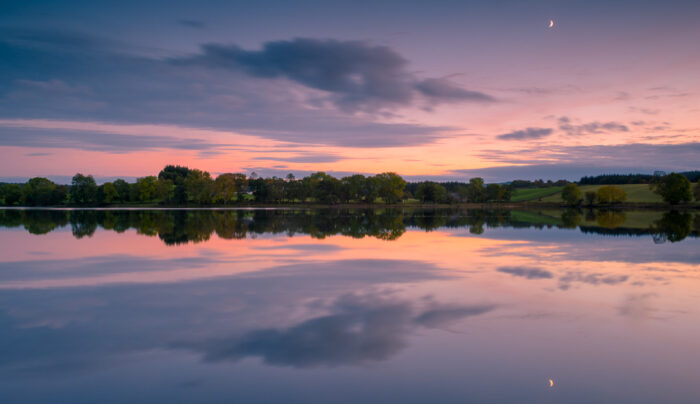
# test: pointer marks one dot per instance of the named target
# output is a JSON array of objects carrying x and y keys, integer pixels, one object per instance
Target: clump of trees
[
  {"x": 429, "y": 191},
  {"x": 37, "y": 191},
  {"x": 674, "y": 188},
  {"x": 571, "y": 194},
  {"x": 608, "y": 194}
]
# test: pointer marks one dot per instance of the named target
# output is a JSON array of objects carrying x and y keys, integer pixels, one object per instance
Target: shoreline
[{"x": 495, "y": 205}]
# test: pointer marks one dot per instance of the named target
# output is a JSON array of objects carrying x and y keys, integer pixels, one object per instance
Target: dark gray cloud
[
  {"x": 525, "y": 134},
  {"x": 566, "y": 125},
  {"x": 70, "y": 76},
  {"x": 360, "y": 76},
  {"x": 527, "y": 272},
  {"x": 99, "y": 141},
  {"x": 443, "y": 90}
]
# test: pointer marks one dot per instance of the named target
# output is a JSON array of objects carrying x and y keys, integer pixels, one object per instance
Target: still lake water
[{"x": 333, "y": 306}]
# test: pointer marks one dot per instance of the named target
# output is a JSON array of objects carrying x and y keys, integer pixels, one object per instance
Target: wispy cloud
[
  {"x": 192, "y": 23},
  {"x": 526, "y": 134},
  {"x": 568, "y": 127}
]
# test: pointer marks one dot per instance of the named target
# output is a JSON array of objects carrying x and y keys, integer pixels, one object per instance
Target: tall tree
[
  {"x": 475, "y": 189},
  {"x": 176, "y": 174},
  {"x": 109, "y": 193},
  {"x": 429, "y": 191},
  {"x": 83, "y": 190},
  {"x": 674, "y": 188},
  {"x": 146, "y": 188},
  {"x": 571, "y": 194},
  {"x": 391, "y": 187},
  {"x": 198, "y": 186},
  {"x": 123, "y": 190},
  {"x": 610, "y": 194},
  {"x": 225, "y": 188}
]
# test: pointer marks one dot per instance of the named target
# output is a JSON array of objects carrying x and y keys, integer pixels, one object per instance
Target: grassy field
[
  {"x": 533, "y": 194},
  {"x": 635, "y": 193}
]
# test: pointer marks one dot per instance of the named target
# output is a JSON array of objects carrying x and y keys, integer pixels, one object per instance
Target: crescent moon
[
  {"x": 551, "y": 24},
  {"x": 551, "y": 383}
]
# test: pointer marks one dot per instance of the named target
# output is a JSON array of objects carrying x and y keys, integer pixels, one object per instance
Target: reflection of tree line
[
  {"x": 183, "y": 226},
  {"x": 673, "y": 225}
]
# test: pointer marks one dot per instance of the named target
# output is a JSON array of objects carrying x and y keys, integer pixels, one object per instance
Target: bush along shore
[{"x": 178, "y": 186}]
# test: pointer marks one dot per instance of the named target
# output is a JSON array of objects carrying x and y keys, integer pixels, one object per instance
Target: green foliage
[
  {"x": 123, "y": 191},
  {"x": 40, "y": 191},
  {"x": 390, "y": 187},
  {"x": 674, "y": 188},
  {"x": 431, "y": 192},
  {"x": 571, "y": 194},
  {"x": 181, "y": 185},
  {"x": 610, "y": 194},
  {"x": 10, "y": 194},
  {"x": 673, "y": 226},
  {"x": 475, "y": 190},
  {"x": 497, "y": 193},
  {"x": 696, "y": 191},
  {"x": 571, "y": 218},
  {"x": 610, "y": 219},
  {"x": 146, "y": 188},
  {"x": 354, "y": 187},
  {"x": 176, "y": 174},
  {"x": 83, "y": 190},
  {"x": 198, "y": 187},
  {"x": 225, "y": 188},
  {"x": 109, "y": 193}
]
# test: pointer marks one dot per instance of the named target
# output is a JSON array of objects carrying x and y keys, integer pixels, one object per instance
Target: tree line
[
  {"x": 612, "y": 179},
  {"x": 182, "y": 186}
]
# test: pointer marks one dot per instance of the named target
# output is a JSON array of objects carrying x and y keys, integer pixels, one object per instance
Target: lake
[{"x": 349, "y": 306}]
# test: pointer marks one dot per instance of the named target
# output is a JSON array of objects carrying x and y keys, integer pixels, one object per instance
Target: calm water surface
[{"x": 331, "y": 306}]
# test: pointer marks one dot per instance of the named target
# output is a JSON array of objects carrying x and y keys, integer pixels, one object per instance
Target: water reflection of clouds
[
  {"x": 570, "y": 277},
  {"x": 47, "y": 330},
  {"x": 358, "y": 330},
  {"x": 527, "y": 272},
  {"x": 574, "y": 245},
  {"x": 567, "y": 278}
]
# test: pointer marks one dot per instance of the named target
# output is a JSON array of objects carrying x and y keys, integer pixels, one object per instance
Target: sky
[{"x": 444, "y": 90}]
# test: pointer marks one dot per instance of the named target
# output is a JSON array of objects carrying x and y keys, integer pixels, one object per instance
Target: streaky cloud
[{"x": 526, "y": 134}]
